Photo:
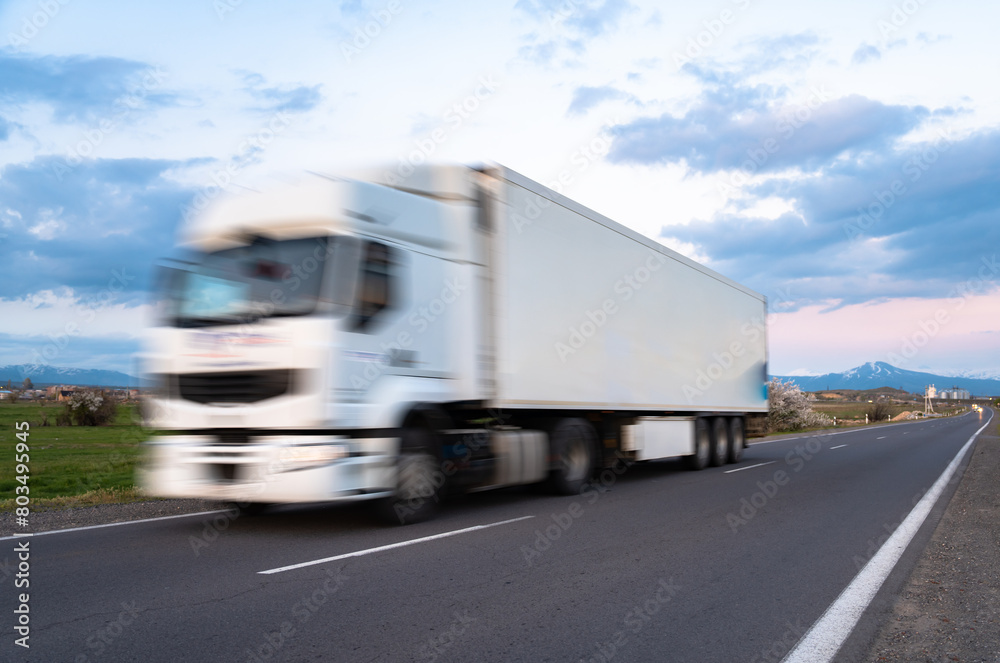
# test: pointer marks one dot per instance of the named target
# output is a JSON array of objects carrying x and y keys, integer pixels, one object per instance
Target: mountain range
[
  {"x": 42, "y": 375},
  {"x": 872, "y": 375},
  {"x": 876, "y": 374}
]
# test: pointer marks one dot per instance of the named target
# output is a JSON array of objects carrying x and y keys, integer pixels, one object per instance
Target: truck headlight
[{"x": 314, "y": 454}]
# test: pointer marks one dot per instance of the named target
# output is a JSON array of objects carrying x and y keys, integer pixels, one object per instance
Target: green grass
[{"x": 70, "y": 465}]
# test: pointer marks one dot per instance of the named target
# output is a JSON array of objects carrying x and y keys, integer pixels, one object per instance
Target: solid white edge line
[
  {"x": 825, "y": 637},
  {"x": 401, "y": 544},
  {"x": 749, "y": 467},
  {"x": 124, "y": 522}
]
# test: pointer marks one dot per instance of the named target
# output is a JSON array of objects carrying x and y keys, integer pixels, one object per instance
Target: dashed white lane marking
[
  {"x": 401, "y": 544},
  {"x": 749, "y": 467},
  {"x": 839, "y": 446}
]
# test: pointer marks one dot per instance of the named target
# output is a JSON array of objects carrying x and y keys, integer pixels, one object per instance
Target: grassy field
[{"x": 70, "y": 465}]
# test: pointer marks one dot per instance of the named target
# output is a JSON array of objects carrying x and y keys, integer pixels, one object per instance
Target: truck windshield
[{"x": 263, "y": 278}]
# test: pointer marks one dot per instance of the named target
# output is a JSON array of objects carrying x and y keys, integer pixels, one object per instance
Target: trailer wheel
[
  {"x": 419, "y": 480},
  {"x": 736, "y": 440},
  {"x": 702, "y": 447},
  {"x": 573, "y": 447},
  {"x": 720, "y": 442}
]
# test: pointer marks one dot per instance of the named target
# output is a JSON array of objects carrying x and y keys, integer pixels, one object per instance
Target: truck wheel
[
  {"x": 702, "y": 447},
  {"x": 720, "y": 443},
  {"x": 736, "y": 440},
  {"x": 572, "y": 444},
  {"x": 419, "y": 480}
]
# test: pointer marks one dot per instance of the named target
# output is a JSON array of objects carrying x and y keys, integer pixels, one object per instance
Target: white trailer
[{"x": 388, "y": 337}]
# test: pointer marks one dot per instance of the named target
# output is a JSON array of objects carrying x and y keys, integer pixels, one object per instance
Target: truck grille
[{"x": 240, "y": 387}]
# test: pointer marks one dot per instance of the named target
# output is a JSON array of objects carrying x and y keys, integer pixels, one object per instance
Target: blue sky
[{"x": 842, "y": 158}]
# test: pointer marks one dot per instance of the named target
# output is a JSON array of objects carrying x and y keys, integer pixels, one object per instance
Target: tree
[
  {"x": 27, "y": 384},
  {"x": 788, "y": 408},
  {"x": 90, "y": 408}
]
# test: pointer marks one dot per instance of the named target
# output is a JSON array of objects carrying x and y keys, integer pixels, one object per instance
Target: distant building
[
  {"x": 5, "y": 395},
  {"x": 955, "y": 393}
]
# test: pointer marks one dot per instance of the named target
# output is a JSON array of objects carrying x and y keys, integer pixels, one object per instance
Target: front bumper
[{"x": 271, "y": 469}]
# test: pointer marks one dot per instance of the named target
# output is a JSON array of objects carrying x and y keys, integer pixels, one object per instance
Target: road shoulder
[
  {"x": 949, "y": 609},
  {"x": 101, "y": 514}
]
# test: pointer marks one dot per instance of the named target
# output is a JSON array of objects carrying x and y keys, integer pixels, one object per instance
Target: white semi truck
[{"x": 460, "y": 328}]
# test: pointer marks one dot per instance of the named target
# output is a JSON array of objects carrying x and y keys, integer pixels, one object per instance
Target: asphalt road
[{"x": 662, "y": 565}]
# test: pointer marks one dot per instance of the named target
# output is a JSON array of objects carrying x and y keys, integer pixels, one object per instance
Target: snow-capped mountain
[
  {"x": 49, "y": 375},
  {"x": 975, "y": 375},
  {"x": 877, "y": 374}
]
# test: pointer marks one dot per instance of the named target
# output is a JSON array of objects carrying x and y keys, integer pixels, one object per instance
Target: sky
[{"x": 841, "y": 158}]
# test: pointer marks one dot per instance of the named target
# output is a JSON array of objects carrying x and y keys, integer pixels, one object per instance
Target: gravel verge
[
  {"x": 949, "y": 610},
  {"x": 102, "y": 514}
]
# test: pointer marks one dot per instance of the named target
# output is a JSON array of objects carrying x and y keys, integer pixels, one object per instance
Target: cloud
[
  {"x": 593, "y": 19},
  {"x": 354, "y": 8},
  {"x": 586, "y": 97},
  {"x": 731, "y": 123},
  {"x": 80, "y": 88},
  {"x": 928, "y": 39},
  {"x": 104, "y": 220},
  {"x": 865, "y": 53},
  {"x": 920, "y": 220},
  {"x": 296, "y": 99},
  {"x": 784, "y": 53},
  {"x": 569, "y": 25}
]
